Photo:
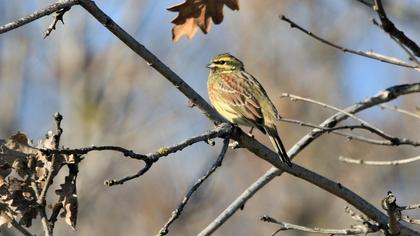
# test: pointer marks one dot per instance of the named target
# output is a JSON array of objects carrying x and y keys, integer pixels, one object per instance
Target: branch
[
  {"x": 378, "y": 163},
  {"x": 220, "y": 131},
  {"x": 390, "y": 28},
  {"x": 410, "y": 220},
  {"x": 382, "y": 97},
  {"x": 349, "y": 136},
  {"x": 397, "y": 109},
  {"x": 365, "y": 124},
  {"x": 389, "y": 203},
  {"x": 326, "y": 184},
  {"x": 410, "y": 54},
  {"x": 48, "y": 229},
  {"x": 371, "y": 55},
  {"x": 355, "y": 229},
  {"x": 177, "y": 212},
  {"x": 58, "y": 16},
  {"x": 152, "y": 60},
  {"x": 38, "y": 14}
]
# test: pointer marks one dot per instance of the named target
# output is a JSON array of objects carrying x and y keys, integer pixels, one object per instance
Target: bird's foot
[
  {"x": 250, "y": 132},
  {"x": 234, "y": 145}
]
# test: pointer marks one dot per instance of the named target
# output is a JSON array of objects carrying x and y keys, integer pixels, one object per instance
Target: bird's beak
[{"x": 211, "y": 65}]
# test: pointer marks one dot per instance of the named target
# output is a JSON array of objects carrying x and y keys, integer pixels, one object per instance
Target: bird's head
[{"x": 225, "y": 63}]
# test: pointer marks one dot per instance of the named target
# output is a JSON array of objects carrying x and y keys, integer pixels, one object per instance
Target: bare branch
[
  {"x": 58, "y": 16},
  {"x": 51, "y": 173},
  {"x": 177, "y": 212},
  {"x": 221, "y": 131},
  {"x": 367, "y": 125},
  {"x": 379, "y": 163},
  {"x": 38, "y": 14},
  {"x": 397, "y": 109},
  {"x": 354, "y": 230},
  {"x": 389, "y": 27},
  {"x": 389, "y": 204},
  {"x": 349, "y": 136},
  {"x": 371, "y": 55},
  {"x": 152, "y": 60},
  {"x": 410, "y": 220},
  {"x": 410, "y": 207},
  {"x": 382, "y": 97}
]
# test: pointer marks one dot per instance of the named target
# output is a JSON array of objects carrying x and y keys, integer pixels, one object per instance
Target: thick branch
[{"x": 38, "y": 14}]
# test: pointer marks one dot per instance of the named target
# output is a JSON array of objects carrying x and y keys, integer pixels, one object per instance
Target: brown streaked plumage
[{"x": 241, "y": 99}]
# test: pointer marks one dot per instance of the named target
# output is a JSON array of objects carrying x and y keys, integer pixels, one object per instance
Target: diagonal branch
[
  {"x": 371, "y": 55},
  {"x": 38, "y": 14},
  {"x": 177, "y": 212},
  {"x": 390, "y": 28},
  {"x": 152, "y": 60},
  {"x": 349, "y": 136},
  {"x": 365, "y": 124}
]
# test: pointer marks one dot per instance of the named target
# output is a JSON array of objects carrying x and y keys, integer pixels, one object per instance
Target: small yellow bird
[{"x": 241, "y": 99}]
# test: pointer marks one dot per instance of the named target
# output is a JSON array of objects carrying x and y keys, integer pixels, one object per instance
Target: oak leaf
[{"x": 198, "y": 13}]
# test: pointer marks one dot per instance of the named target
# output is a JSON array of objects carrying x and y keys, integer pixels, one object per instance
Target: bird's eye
[{"x": 222, "y": 62}]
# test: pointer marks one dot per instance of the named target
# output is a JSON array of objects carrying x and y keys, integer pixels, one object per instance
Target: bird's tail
[{"x": 278, "y": 145}]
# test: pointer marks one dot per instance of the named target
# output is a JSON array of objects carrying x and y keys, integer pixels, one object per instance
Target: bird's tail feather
[{"x": 278, "y": 145}]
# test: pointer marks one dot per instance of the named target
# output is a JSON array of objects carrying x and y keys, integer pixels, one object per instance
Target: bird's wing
[{"x": 237, "y": 92}]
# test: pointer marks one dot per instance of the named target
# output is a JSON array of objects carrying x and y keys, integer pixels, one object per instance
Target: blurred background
[{"x": 109, "y": 96}]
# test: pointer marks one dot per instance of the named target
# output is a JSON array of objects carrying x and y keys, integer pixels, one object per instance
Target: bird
[{"x": 241, "y": 99}]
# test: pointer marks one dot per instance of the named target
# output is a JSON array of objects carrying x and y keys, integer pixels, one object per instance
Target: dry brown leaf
[
  {"x": 68, "y": 197},
  {"x": 198, "y": 13}
]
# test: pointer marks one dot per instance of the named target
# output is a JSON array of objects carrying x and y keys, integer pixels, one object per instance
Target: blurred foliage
[{"x": 108, "y": 95}]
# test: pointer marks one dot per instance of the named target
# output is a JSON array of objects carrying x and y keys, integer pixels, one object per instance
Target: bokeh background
[{"x": 108, "y": 95}]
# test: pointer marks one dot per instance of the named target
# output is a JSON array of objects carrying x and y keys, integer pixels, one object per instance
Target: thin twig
[
  {"x": 349, "y": 136},
  {"x": 178, "y": 211},
  {"x": 402, "y": 111},
  {"x": 389, "y": 27},
  {"x": 220, "y": 131},
  {"x": 371, "y": 55},
  {"x": 38, "y": 14},
  {"x": 410, "y": 207},
  {"x": 410, "y": 220},
  {"x": 354, "y": 230},
  {"x": 370, "y": 127},
  {"x": 51, "y": 173},
  {"x": 58, "y": 16},
  {"x": 378, "y": 163}
]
